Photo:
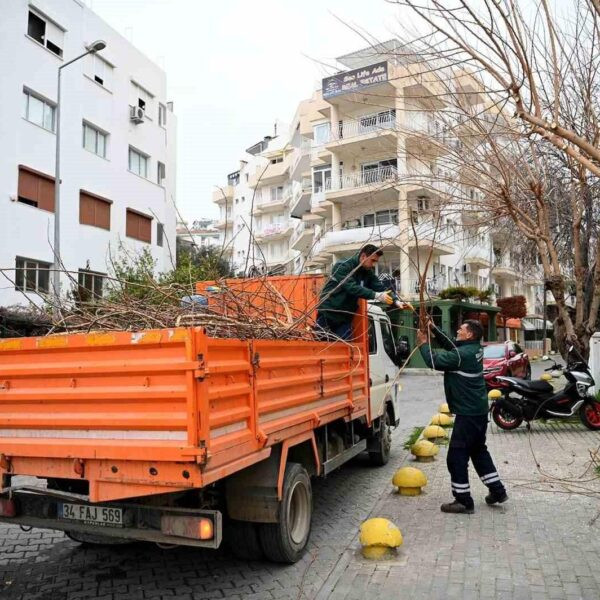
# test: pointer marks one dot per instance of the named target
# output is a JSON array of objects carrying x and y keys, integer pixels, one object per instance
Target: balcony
[
  {"x": 302, "y": 237},
  {"x": 478, "y": 256},
  {"x": 378, "y": 183},
  {"x": 300, "y": 202},
  {"x": 427, "y": 135},
  {"x": 274, "y": 231},
  {"x": 223, "y": 195},
  {"x": 505, "y": 269},
  {"x": 275, "y": 202},
  {"x": 366, "y": 133},
  {"x": 224, "y": 223}
]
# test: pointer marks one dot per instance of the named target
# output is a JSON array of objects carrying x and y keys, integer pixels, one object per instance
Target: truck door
[{"x": 382, "y": 369}]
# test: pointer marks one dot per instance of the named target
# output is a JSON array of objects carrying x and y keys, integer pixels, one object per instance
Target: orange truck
[{"x": 176, "y": 437}]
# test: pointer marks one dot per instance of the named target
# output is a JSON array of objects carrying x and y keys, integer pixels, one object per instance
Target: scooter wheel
[
  {"x": 589, "y": 413},
  {"x": 504, "y": 419}
]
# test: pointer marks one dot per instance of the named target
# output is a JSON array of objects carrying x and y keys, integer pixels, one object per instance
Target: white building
[
  {"x": 118, "y": 174},
  {"x": 201, "y": 233}
]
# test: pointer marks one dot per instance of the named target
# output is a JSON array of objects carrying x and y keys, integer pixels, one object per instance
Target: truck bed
[{"x": 158, "y": 411}]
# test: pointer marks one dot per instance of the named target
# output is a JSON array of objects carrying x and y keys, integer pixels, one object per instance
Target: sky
[{"x": 235, "y": 66}]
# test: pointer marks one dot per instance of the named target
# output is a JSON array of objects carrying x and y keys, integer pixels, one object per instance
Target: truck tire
[
  {"x": 243, "y": 540},
  {"x": 383, "y": 443},
  {"x": 286, "y": 540}
]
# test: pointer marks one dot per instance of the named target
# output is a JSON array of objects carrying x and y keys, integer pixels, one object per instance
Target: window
[
  {"x": 386, "y": 217},
  {"x": 160, "y": 173},
  {"x": 138, "y": 163},
  {"x": 32, "y": 275},
  {"x": 277, "y": 160},
  {"x": 45, "y": 32},
  {"x": 388, "y": 339},
  {"x": 90, "y": 284},
  {"x": 39, "y": 111},
  {"x": 321, "y": 133},
  {"x": 94, "y": 140},
  {"x": 276, "y": 193},
  {"x": 35, "y": 189},
  {"x": 138, "y": 226},
  {"x": 99, "y": 70},
  {"x": 142, "y": 98},
  {"x": 160, "y": 231},
  {"x": 162, "y": 115},
  {"x": 94, "y": 211},
  {"x": 372, "y": 337}
]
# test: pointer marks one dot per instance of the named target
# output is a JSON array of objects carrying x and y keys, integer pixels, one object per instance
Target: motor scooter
[{"x": 525, "y": 400}]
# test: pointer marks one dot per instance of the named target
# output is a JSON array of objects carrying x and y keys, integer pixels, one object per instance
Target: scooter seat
[{"x": 534, "y": 386}]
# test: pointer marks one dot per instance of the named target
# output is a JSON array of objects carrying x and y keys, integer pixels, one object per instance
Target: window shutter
[
  {"x": 28, "y": 185},
  {"x": 94, "y": 211},
  {"x": 145, "y": 229},
  {"x": 86, "y": 209},
  {"x": 37, "y": 188},
  {"x": 138, "y": 226},
  {"x": 103, "y": 214}
]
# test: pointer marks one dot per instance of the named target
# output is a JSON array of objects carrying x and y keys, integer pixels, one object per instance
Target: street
[{"x": 530, "y": 547}]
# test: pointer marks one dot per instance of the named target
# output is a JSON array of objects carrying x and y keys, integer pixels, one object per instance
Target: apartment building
[
  {"x": 117, "y": 150},
  {"x": 201, "y": 233},
  {"x": 366, "y": 161},
  {"x": 255, "y": 204}
]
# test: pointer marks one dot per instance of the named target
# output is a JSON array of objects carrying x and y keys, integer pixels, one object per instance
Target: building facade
[
  {"x": 366, "y": 161},
  {"x": 117, "y": 151},
  {"x": 201, "y": 233}
]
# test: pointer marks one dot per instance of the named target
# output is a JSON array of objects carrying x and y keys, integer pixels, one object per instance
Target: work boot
[
  {"x": 457, "y": 507},
  {"x": 492, "y": 498}
]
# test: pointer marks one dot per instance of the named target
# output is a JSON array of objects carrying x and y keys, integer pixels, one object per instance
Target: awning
[{"x": 535, "y": 323}]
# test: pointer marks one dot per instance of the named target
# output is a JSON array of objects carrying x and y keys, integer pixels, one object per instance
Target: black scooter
[{"x": 524, "y": 400}]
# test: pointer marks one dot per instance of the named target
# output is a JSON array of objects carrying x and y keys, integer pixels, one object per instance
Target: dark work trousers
[
  {"x": 343, "y": 330},
  {"x": 468, "y": 442}
]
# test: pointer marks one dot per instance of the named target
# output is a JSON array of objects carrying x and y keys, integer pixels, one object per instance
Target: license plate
[{"x": 101, "y": 516}]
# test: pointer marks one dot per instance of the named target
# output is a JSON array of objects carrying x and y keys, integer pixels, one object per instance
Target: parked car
[{"x": 504, "y": 358}]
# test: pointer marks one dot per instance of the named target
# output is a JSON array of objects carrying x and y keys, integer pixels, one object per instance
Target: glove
[
  {"x": 384, "y": 297},
  {"x": 404, "y": 305}
]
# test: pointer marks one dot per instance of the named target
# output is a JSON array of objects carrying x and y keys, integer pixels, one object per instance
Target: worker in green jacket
[
  {"x": 461, "y": 361},
  {"x": 351, "y": 279}
]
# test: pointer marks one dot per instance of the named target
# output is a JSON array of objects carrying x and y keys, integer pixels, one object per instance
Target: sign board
[{"x": 357, "y": 79}]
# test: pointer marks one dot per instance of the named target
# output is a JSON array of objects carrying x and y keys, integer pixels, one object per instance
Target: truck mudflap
[{"x": 67, "y": 512}]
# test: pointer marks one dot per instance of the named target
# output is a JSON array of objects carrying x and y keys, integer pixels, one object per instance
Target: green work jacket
[
  {"x": 348, "y": 283},
  {"x": 462, "y": 364}
]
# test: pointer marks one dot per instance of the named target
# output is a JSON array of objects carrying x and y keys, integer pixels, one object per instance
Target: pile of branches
[{"x": 259, "y": 313}]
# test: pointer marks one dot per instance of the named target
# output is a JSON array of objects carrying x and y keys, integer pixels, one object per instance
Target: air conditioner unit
[{"x": 137, "y": 114}]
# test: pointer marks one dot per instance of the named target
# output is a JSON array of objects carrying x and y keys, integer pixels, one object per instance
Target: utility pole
[{"x": 92, "y": 49}]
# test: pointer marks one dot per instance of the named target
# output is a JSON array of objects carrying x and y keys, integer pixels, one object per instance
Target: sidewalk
[{"x": 540, "y": 544}]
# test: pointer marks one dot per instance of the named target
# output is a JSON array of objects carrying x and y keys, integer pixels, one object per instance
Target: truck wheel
[
  {"x": 381, "y": 455},
  {"x": 286, "y": 540},
  {"x": 93, "y": 539},
  {"x": 243, "y": 540}
]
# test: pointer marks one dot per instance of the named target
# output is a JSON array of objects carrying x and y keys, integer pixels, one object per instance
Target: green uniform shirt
[
  {"x": 348, "y": 282},
  {"x": 462, "y": 364}
]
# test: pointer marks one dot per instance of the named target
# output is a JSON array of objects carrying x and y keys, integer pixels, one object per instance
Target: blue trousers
[
  {"x": 343, "y": 330},
  {"x": 468, "y": 442}
]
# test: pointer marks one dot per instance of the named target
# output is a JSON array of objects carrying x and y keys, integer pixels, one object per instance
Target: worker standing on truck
[
  {"x": 461, "y": 360},
  {"x": 351, "y": 279}
]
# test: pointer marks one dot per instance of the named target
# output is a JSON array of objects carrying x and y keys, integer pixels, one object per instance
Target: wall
[{"x": 27, "y": 231}]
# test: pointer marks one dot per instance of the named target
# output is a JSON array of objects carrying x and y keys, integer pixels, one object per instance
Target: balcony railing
[
  {"x": 272, "y": 229},
  {"x": 350, "y": 128},
  {"x": 366, "y": 177},
  {"x": 300, "y": 229}
]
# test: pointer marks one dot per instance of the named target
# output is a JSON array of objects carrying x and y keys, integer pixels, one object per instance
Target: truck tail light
[
  {"x": 198, "y": 528},
  {"x": 8, "y": 508}
]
